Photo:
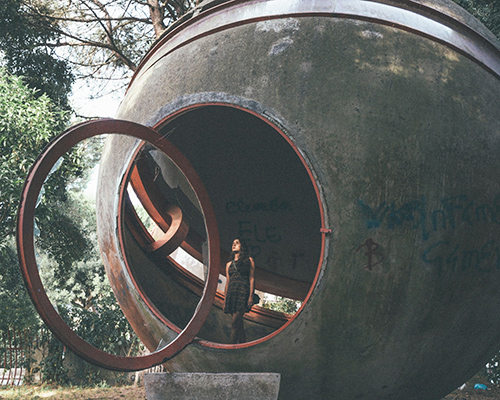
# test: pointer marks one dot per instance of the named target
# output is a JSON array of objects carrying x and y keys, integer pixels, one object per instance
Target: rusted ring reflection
[
  {"x": 175, "y": 234},
  {"x": 26, "y": 251}
]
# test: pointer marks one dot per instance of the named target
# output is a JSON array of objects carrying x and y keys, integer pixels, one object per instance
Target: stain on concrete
[
  {"x": 278, "y": 25},
  {"x": 280, "y": 46}
]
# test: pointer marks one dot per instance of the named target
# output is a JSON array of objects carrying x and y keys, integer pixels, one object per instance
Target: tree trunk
[{"x": 157, "y": 16}]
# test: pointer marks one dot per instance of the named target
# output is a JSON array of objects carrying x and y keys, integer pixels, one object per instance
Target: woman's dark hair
[{"x": 244, "y": 250}]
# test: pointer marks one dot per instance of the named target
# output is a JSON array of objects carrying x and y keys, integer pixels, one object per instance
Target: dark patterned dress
[{"x": 238, "y": 289}]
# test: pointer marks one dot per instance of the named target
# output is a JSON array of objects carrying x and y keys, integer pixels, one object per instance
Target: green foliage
[
  {"x": 282, "y": 304},
  {"x": 62, "y": 238},
  {"x": 52, "y": 367},
  {"x": 23, "y": 43},
  {"x": 15, "y": 305},
  {"x": 27, "y": 122},
  {"x": 65, "y": 235},
  {"x": 67, "y": 244},
  {"x": 105, "y": 327},
  {"x": 487, "y": 11},
  {"x": 76, "y": 282},
  {"x": 70, "y": 266},
  {"x": 42, "y": 39},
  {"x": 28, "y": 119}
]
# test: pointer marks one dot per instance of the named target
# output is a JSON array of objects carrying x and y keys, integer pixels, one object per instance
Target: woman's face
[{"x": 236, "y": 246}]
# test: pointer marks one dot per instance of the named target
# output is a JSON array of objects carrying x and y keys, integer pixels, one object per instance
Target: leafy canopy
[
  {"x": 24, "y": 39},
  {"x": 103, "y": 41},
  {"x": 27, "y": 122},
  {"x": 65, "y": 236}
]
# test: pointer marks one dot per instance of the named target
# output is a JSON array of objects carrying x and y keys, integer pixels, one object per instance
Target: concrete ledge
[{"x": 212, "y": 386}]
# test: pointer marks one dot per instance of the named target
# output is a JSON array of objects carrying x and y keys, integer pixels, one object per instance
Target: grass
[{"x": 81, "y": 393}]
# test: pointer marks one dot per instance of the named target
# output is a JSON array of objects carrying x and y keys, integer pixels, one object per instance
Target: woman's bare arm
[
  {"x": 227, "y": 279},
  {"x": 252, "y": 282}
]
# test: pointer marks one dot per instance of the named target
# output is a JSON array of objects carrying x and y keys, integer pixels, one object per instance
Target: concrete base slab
[{"x": 212, "y": 386}]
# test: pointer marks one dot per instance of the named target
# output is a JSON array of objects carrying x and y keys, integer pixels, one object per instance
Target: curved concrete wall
[{"x": 395, "y": 113}]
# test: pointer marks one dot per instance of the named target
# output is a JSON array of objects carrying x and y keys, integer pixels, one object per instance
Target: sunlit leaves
[{"x": 27, "y": 122}]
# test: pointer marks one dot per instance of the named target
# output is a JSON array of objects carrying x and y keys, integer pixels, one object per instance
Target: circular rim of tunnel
[
  {"x": 321, "y": 210},
  {"x": 59, "y": 146},
  {"x": 218, "y": 17}
]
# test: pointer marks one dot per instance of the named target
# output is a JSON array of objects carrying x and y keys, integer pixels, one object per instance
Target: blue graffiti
[
  {"x": 453, "y": 212},
  {"x": 461, "y": 258}
]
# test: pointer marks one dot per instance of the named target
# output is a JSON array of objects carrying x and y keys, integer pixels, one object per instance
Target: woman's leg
[
  {"x": 242, "y": 337},
  {"x": 237, "y": 328}
]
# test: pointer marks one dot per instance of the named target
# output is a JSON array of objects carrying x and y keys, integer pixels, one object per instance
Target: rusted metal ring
[
  {"x": 26, "y": 251},
  {"x": 175, "y": 234}
]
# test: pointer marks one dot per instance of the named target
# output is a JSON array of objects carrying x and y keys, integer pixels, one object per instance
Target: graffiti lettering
[
  {"x": 240, "y": 206},
  {"x": 375, "y": 257},
  {"x": 253, "y": 233},
  {"x": 453, "y": 212},
  {"x": 460, "y": 258}
]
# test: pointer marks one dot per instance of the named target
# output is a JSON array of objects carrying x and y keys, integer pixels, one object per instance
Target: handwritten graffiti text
[
  {"x": 457, "y": 257},
  {"x": 240, "y": 206},
  {"x": 452, "y": 212}
]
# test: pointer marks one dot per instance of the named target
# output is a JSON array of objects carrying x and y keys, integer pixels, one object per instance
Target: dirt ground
[
  {"x": 42, "y": 393},
  {"x": 138, "y": 393}
]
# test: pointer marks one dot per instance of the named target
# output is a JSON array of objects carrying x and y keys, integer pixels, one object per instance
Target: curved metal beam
[{"x": 25, "y": 244}]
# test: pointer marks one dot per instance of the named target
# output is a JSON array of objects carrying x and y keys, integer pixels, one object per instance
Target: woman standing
[{"x": 239, "y": 288}]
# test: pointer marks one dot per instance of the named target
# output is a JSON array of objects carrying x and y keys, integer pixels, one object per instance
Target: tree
[
  {"x": 65, "y": 235},
  {"x": 104, "y": 39},
  {"x": 27, "y": 121},
  {"x": 17, "y": 310},
  {"x": 77, "y": 284},
  {"x": 23, "y": 36}
]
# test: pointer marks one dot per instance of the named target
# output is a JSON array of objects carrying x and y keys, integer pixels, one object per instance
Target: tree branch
[
  {"x": 157, "y": 17},
  {"x": 107, "y": 24},
  {"x": 107, "y": 27},
  {"x": 93, "y": 20},
  {"x": 92, "y": 43}
]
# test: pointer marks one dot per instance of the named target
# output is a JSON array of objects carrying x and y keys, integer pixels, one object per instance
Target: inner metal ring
[{"x": 26, "y": 251}]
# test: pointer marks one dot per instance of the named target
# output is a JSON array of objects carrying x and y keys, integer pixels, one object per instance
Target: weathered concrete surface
[
  {"x": 401, "y": 131},
  {"x": 207, "y": 386}
]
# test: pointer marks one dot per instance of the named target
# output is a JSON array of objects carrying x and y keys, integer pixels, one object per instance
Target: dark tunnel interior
[{"x": 261, "y": 192}]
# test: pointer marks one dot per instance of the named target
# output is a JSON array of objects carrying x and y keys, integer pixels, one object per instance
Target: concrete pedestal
[{"x": 212, "y": 386}]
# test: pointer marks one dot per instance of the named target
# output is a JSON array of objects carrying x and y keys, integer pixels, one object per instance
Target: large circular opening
[
  {"x": 42, "y": 188},
  {"x": 261, "y": 190}
]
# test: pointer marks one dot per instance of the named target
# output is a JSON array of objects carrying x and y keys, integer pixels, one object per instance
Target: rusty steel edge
[
  {"x": 409, "y": 15},
  {"x": 29, "y": 269}
]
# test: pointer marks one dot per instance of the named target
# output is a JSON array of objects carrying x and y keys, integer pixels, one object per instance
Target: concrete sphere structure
[{"x": 355, "y": 145}]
